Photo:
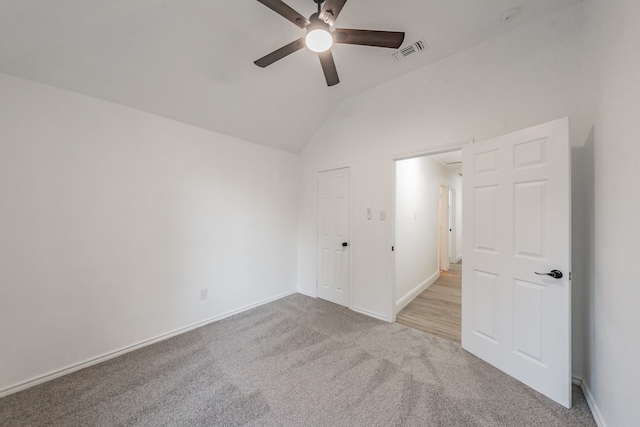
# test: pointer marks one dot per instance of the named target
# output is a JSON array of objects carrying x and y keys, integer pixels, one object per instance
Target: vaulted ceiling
[{"x": 192, "y": 60}]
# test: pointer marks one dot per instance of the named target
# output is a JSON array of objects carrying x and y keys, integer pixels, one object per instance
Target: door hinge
[
  {"x": 393, "y": 248},
  {"x": 569, "y": 275}
]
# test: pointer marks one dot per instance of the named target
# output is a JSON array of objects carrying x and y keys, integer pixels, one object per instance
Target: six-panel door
[
  {"x": 333, "y": 236},
  {"x": 516, "y": 221}
]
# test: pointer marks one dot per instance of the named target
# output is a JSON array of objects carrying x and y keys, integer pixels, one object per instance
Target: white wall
[
  {"x": 113, "y": 220},
  {"x": 417, "y": 221},
  {"x": 524, "y": 78},
  {"x": 611, "y": 62}
]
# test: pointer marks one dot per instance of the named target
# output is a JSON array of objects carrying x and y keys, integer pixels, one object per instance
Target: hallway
[{"x": 437, "y": 310}]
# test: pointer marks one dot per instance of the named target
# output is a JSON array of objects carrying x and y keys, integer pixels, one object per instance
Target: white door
[
  {"x": 516, "y": 217},
  {"x": 333, "y": 236},
  {"x": 452, "y": 226},
  {"x": 443, "y": 229}
]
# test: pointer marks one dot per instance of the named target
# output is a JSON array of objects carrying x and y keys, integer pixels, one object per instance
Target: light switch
[
  {"x": 368, "y": 213},
  {"x": 383, "y": 215}
]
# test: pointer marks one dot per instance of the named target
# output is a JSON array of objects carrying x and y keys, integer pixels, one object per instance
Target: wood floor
[{"x": 437, "y": 310}]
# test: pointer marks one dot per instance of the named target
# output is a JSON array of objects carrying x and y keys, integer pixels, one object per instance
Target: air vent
[{"x": 417, "y": 47}]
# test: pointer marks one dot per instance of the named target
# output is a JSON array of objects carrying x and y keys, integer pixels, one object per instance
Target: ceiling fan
[{"x": 321, "y": 35}]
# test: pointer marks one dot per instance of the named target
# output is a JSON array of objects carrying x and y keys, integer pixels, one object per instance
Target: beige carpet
[{"x": 295, "y": 362}]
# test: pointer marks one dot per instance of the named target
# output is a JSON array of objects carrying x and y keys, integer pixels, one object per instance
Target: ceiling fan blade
[
  {"x": 280, "y": 53},
  {"x": 286, "y": 11},
  {"x": 390, "y": 39},
  {"x": 329, "y": 68},
  {"x": 331, "y": 10}
]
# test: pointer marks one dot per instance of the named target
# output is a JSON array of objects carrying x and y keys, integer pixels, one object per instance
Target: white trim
[
  {"x": 595, "y": 412},
  {"x": 107, "y": 356},
  {"x": 333, "y": 168},
  {"x": 309, "y": 294},
  {"x": 405, "y": 300},
  {"x": 392, "y": 257},
  {"x": 444, "y": 148},
  {"x": 371, "y": 314},
  {"x": 458, "y": 259}
]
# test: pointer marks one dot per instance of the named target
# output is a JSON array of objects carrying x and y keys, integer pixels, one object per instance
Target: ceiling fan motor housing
[{"x": 317, "y": 23}]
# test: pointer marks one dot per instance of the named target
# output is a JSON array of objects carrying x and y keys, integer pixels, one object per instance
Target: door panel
[
  {"x": 333, "y": 232},
  {"x": 484, "y": 319},
  {"x": 528, "y": 218},
  {"x": 516, "y": 211},
  {"x": 485, "y": 226}
]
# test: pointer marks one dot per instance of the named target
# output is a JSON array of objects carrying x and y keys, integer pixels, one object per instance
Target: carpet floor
[{"x": 298, "y": 361}]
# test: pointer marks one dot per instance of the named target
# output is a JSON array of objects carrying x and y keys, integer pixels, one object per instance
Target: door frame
[
  {"x": 351, "y": 218},
  {"x": 445, "y": 148}
]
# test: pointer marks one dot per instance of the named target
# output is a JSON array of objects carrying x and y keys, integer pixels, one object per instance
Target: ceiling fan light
[{"x": 319, "y": 40}]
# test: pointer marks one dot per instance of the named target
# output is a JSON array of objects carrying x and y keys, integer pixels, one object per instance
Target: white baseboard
[
  {"x": 370, "y": 314},
  {"x": 405, "y": 300},
  {"x": 309, "y": 294},
  {"x": 458, "y": 259},
  {"x": 597, "y": 415},
  {"x": 356, "y": 309},
  {"x": 107, "y": 356}
]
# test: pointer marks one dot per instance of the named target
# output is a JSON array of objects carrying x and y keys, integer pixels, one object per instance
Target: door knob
[
  {"x": 556, "y": 274},
  {"x": 345, "y": 244}
]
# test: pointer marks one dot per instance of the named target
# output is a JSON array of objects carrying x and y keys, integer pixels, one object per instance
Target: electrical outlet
[{"x": 203, "y": 294}]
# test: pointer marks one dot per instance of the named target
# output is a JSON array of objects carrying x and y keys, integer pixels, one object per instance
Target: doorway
[{"x": 427, "y": 227}]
